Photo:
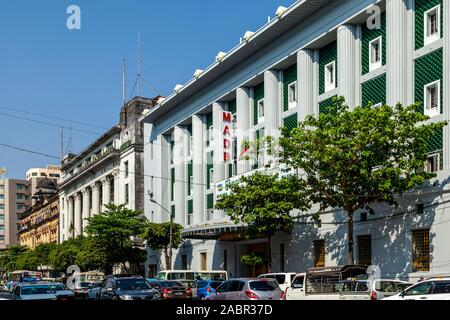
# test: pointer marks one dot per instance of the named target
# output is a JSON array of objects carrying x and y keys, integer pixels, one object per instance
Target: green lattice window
[
  {"x": 258, "y": 94},
  {"x": 189, "y": 178},
  {"x": 232, "y": 106},
  {"x": 323, "y": 105},
  {"x": 210, "y": 201},
  {"x": 374, "y": 90},
  {"x": 172, "y": 184},
  {"x": 209, "y": 167},
  {"x": 423, "y": 6},
  {"x": 327, "y": 55},
  {"x": 190, "y": 206},
  {"x": 172, "y": 211},
  {"x": 369, "y": 35},
  {"x": 428, "y": 69},
  {"x": 435, "y": 143},
  {"x": 291, "y": 121},
  {"x": 289, "y": 79}
]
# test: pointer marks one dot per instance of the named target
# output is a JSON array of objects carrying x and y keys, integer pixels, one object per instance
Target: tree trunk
[
  {"x": 350, "y": 258},
  {"x": 269, "y": 247},
  {"x": 166, "y": 257}
]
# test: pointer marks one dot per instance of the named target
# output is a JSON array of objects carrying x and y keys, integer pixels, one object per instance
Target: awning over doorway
[{"x": 223, "y": 232}]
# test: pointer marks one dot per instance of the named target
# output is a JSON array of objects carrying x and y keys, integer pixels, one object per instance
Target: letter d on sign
[{"x": 74, "y": 20}]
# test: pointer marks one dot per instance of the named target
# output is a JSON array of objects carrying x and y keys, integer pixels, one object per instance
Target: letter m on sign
[{"x": 227, "y": 117}]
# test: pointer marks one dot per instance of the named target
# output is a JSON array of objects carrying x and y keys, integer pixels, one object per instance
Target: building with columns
[
  {"x": 110, "y": 170},
  {"x": 379, "y": 52}
]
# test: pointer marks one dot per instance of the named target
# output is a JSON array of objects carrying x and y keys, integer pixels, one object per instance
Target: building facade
[
  {"x": 379, "y": 52},
  {"x": 14, "y": 200},
  {"x": 39, "y": 224},
  {"x": 35, "y": 175},
  {"x": 107, "y": 171}
]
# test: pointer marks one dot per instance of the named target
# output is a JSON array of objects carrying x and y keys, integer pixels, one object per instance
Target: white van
[{"x": 284, "y": 279}]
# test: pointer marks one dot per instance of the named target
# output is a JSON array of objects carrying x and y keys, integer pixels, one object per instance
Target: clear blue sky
[{"x": 46, "y": 68}]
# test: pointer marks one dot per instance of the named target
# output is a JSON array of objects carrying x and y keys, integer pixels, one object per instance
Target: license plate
[{"x": 178, "y": 293}]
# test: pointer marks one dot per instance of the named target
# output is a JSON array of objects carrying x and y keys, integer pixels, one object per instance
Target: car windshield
[
  {"x": 57, "y": 287},
  {"x": 35, "y": 290},
  {"x": 132, "y": 284},
  {"x": 263, "y": 286}
]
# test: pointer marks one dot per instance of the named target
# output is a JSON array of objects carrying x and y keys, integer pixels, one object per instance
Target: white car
[
  {"x": 430, "y": 289},
  {"x": 381, "y": 288},
  {"x": 284, "y": 279}
]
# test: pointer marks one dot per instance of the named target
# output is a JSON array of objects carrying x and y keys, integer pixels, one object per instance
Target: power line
[
  {"x": 29, "y": 151},
  {"x": 52, "y": 117},
  {"x": 48, "y": 123}
]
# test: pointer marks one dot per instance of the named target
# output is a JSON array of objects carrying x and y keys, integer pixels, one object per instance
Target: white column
[
  {"x": 95, "y": 198},
  {"x": 198, "y": 169},
  {"x": 272, "y": 107},
  {"x": 397, "y": 51},
  {"x": 218, "y": 148},
  {"x": 348, "y": 64},
  {"x": 70, "y": 220},
  {"x": 305, "y": 83},
  {"x": 180, "y": 149},
  {"x": 243, "y": 110},
  {"x": 446, "y": 79},
  {"x": 78, "y": 221},
  {"x": 116, "y": 177},
  {"x": 161, "y": 180},
  {"x": 106, "y": 192},
  {"x": 63, "y": 213},
  {"x": 86, "y": 208}
]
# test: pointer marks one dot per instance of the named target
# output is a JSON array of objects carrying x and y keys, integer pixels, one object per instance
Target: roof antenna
[
  {"x": 138, "y": 89},
  {"x": 124, "y": 89}
]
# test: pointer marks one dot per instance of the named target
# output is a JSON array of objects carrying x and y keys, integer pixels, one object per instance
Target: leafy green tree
[
  {"x": 39, "y": 256},
  {"x": 253, "y": 260},
  {"x": 157, "y": 236},
  {"x": 65, "y": 254},
  {"x": 353, "y": 159},
  {"x": 263, "y": 203},
  {"x": 114, "y": 229},
  {"x": 9, "y": 258}
]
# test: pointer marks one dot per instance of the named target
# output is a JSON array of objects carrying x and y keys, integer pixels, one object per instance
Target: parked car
[
  {"x": 381, "y": 288},
  {"x": 248, "y": 289},
  {"x": 94, "y": 291},
  {"x": 191, "y": 287},
  {"x": 33, "y": 291},
  {"x": 60, "y": 291},
  {"x": 171, "y": 289},
  {"x": 430, "y": 289},
  {"x": 81, "y": 289},
  {"x": 127, "y": 288},
  {"x": 206, "y": 287},
  {"x": 284, "y": 279},
  {"x": 327, "y": 283}
]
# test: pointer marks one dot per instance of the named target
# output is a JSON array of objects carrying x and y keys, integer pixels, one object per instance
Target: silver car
[
  {"x": 30, "y": 291},
  {"x": 248, "y": 289}
]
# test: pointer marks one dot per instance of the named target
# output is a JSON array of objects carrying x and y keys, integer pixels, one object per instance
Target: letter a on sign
[{"x": 226, "y": 131}]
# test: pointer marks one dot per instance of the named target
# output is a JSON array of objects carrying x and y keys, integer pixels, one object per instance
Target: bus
[
  {"x": 216, "y": 275},
  {"x": 91, "y": 277},
  {"x": 16, "y": 277}
]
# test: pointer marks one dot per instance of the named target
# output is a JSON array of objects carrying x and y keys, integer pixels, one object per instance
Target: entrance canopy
[{"x": 223, "y": 232}]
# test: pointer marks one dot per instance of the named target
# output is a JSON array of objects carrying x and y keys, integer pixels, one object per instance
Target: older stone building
[{"x": 39, "y": 224}]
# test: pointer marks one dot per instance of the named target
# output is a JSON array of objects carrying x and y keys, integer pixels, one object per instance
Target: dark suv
[{"x": 116, "y": 287}]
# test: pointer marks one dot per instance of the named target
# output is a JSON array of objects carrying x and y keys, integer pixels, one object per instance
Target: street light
[{"x": 170, "y": 227}]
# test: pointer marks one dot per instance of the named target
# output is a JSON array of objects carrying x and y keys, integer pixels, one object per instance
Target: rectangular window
[
  {"x": 127, "y": 194},
  {"x": 260, "y": 111},
  {"x": 433, "y": 163},
  {"x": 365, "y": 250},
  {"x": 184, "y": 262},
  {"x": 126, "y": 169},
  {"x": 2, "y": 197},
  {"x": 330, "y": 76},
  {"x": 203, "y": 261},
  {"x": 375, "y": 54},
  {"x": 432, "y": 24},
  {"x": 421, "y": 250},
  {"x": 191, "y": 184},
  {"x": 20, "y": 196},
  {"x": 433, "y": 98},
  {"x": 20, "y": 186},
  {"x": 292, "y": 95},
  {"x": 2, "y": 238},
  {"x": 211, "y": 178},
  {"x": 319, "y": 253}
]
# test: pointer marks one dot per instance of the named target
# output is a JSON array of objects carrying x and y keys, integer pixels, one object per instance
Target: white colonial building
[
  {"x": 110, "y": 170},
  {"x": 365, "y": 50}
]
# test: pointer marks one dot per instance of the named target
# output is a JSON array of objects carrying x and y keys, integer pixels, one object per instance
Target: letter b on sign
[{"x": 74, "y": 20}]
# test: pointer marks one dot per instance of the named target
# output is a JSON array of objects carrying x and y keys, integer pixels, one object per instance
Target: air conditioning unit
[
  {"x": 280, "y": 11},
  {"x": 248, "y": 35}
]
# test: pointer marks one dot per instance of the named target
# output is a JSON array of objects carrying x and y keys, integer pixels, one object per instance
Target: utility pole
[
  {"x": 62, "y": 143},
  {"x": 170, "y": 227},
  {"x": 138, "y": 79},
  {"x": 124, "y": 70}
]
